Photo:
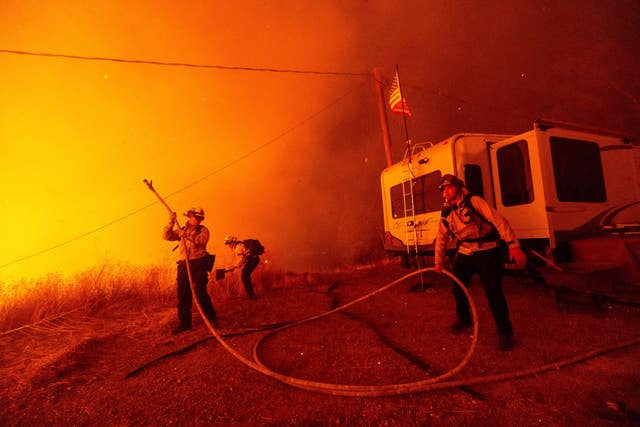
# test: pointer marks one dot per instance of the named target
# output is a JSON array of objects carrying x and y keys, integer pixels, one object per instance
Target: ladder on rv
[
  {"x": 408, "y": 200},
  {"x": 410, "y": 233}
]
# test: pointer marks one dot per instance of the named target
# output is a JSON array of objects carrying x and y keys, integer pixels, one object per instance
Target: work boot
[
  {"x": 460, "y": 327},
  {"x": 505, "y": 342},
  {"x": 180, "y": 329}
]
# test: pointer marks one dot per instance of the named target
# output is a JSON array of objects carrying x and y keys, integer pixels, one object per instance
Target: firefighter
[
  {"x": 478, "y": 229},
  {"x": 195, "y": 237},
  {"x": 247, "y": 259}
]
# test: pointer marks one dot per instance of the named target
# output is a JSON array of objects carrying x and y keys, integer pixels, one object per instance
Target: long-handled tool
[
  {"x": 220, "y": 272},
  {"x": 547, "y": 260},
  {"x": 153, "y": 190}
]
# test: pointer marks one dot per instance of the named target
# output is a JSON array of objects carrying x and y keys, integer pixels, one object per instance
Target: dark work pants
[
  {"x": 489, "y": 266},
  {"x": 200, "y": 279},
  {"x": 247, "y": 269}
]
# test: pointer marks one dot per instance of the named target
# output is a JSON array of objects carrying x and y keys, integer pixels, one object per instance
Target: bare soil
[{"x": 126, "y": 368}]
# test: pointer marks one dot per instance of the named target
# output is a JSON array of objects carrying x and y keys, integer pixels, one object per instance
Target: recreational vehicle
[{"x": 557, "y": 184}]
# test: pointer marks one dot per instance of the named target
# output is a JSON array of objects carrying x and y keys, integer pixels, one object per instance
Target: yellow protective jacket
[
  {"x": 472, "y": 232},
  {"x": 195, "y": 238}
]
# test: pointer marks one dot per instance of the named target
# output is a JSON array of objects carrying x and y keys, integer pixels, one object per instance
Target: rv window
[
  {"x": 473, "y": 179},
  {"x": 432, "y": 196},
  {"x": 397, "y": 203},
  {"x": 426, "y": 197},
  {"x": 577, "y": 169},
  {"x": 515, "y": 174}
]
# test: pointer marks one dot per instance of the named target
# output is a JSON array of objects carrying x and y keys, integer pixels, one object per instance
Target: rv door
[{"x": 518, "y": 185}]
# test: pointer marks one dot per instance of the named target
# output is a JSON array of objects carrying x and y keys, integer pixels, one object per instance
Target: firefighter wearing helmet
[
  {"x": 194, "y": 237},
  {"x": 247, "y": 260},
  {"x": 478, "y": 229}
]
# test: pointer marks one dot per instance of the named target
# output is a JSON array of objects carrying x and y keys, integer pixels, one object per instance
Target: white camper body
[{"x": 555, "y": 184}]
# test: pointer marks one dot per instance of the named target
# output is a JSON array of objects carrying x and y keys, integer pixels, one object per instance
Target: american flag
[{"x": 397, "y": 103}]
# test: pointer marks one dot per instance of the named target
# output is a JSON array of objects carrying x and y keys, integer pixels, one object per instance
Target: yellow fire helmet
[
  {"x": 195, "y": 211},
  {"x": 229, "y": 240},
  {"x": 449, "y": 179}
]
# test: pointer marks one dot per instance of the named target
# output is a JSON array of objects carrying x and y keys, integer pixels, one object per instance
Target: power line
[
  {"x": 78, "y": 237},
  {"x": 180, "y": 64},
  {"x": 219, "y": 67},
  {"x": 272, "y": 140},
  {"x": 436, "y": 92},
  {"x": 191, "y": 184}
]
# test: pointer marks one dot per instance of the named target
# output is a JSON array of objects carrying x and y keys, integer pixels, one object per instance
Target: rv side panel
[{"x": 589, "y": 180}]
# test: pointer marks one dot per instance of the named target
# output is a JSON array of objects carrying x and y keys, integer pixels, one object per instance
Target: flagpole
[{"x": 404, "y": 116}]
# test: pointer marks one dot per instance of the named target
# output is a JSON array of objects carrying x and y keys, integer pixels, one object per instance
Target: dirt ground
[{"x": 125, "y": 368}]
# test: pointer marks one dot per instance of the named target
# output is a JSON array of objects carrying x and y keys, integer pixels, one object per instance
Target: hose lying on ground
[
  {"x": 436, "y": 383},
  {"x": 243, "y": 332},
  {"x": 345, "y": 389}
]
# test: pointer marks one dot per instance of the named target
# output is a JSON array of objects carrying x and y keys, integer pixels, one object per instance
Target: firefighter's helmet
[
  {"x": 449, "y": 179},
  {"x": 195, "y": 211},
  {"x": 229, "y": 240}
]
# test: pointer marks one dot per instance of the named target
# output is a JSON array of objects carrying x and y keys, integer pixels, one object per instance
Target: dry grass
[{"x": 26, "y": 302}]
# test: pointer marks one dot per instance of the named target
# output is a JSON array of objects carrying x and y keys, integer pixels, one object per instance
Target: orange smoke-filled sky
[
  {"x": 78, "y": 137},
  {"x": 290, "y": 158}
]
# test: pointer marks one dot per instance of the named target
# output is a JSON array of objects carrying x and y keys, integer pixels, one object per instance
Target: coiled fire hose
[{"x": 436, "y": 383}]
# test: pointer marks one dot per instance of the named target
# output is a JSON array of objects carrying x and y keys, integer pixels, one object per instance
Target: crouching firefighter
[
  {"x": 195, "y": 237},
  {"x": 478, "y": 229},
  {"x": 247, "y": 253}
]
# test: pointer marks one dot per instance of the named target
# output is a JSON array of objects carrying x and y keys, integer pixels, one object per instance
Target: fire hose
[{"x": 435, "y": 383}]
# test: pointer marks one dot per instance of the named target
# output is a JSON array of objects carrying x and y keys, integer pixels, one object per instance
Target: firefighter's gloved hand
[
  {"x": 518, "y": 256},
  {"x": 172, "y": 217}
]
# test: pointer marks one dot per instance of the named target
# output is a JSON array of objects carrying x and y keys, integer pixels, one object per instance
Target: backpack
[{"x": 254, "y": 246}]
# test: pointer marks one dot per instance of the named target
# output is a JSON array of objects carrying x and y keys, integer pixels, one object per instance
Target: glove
[
  {"x": 518, "y": 256},
  {"x": 172, "y": 217}
]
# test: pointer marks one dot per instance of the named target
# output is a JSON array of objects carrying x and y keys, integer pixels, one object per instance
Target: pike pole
[
  {"x": 149, "y": 184},
  {"x": 183, "y": 246}
]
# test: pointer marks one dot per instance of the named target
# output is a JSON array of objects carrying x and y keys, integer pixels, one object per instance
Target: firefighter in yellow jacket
[
  {"x": 195, "y": 237},
  {"x": 478, "y": 229}
]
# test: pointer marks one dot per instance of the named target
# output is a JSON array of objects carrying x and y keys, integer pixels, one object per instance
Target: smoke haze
[{"x": 290, "y": 158}]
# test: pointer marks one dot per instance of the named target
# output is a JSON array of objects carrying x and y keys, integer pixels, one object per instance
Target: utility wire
[
  {"x": 436, "y": 92},
  {"x": 269, "y": 142},
  {"x": 385, "y": 84},
  {"x": 78, "y": 237},
  {"x": 180, "y": 64},
  {"x": 191, "y": 184}
]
